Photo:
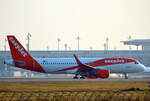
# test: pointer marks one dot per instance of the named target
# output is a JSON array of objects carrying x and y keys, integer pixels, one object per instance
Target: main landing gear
[
  {"x": 76, "y": 77},
  {"x": 126, "y": 75},
  {"x": 82, "y": 77}
]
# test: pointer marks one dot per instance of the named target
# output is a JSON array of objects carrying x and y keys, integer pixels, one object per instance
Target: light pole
[
  {"x": 104, "y": 46},
  {"x": 130, "y": 43},
  {"x": 130, "y": 48},
  {"x": 28, "y": 43},
  {"x": 65, "y": 46},
  {"x": 58, "y": 39},
  {"x": 107, "y": 40},
  {"x": 78, "y": 39},
  {"x": 6, "y": 68},
  {"x": 47, "y": 48}
]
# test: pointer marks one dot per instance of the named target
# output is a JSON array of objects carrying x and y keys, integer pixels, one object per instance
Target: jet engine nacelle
[{"x": 99, "y": 74}]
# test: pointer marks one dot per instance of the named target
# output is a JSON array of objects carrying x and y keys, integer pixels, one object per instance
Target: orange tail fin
[{"x": 21, "y": 57}]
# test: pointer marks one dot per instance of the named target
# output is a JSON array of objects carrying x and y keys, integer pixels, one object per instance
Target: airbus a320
[{"x": 83, "y": 67}]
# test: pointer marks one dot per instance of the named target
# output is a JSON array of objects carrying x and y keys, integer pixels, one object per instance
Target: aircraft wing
[
  {"x": 89, "y": 71},
  {"x": 81, "y": 65}
]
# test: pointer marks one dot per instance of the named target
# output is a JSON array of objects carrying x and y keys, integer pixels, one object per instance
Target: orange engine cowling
[
  {"x": 103, "y": 73},
  {"x": 100, "y": 74}
]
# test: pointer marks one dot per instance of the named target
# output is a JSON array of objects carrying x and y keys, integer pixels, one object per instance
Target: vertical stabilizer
[
  {"x": 21, "y": 57},
  {"x": 18, "y": 52}
]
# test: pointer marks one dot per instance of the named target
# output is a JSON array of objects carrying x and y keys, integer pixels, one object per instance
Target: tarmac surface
[{"x": 72, "y": 80}]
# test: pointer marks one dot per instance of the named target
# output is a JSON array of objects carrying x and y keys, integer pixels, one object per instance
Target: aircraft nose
[{"x": 141, "y": 67}]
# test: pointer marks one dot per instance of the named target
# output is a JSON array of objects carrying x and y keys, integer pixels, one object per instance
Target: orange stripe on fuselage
[{"x": 103, "y": 62}]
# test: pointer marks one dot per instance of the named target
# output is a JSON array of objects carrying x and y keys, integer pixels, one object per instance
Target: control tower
[{"x": 145, "y": 43}]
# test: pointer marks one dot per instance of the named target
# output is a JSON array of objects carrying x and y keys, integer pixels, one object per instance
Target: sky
[{"x": 92, "y": 20}]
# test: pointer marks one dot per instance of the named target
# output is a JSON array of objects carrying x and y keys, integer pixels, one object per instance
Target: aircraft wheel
[
  {"x": 75, "y": 77},
  {"x": 82, "y": 77},
  {"x": 126, "y": 76}
]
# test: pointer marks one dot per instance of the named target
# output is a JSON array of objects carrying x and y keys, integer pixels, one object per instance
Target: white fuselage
[
  {"x": 51, "y": 65},
  {"x": 54, "y": 65}
]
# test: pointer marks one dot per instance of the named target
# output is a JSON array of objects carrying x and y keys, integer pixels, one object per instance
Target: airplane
[{"x": 85, "y": 67}]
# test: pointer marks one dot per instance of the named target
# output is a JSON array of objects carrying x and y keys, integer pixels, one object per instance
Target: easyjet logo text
[{"x": 17, "y": 46}]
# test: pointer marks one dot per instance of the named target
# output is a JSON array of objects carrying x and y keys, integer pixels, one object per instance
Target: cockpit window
[{"x": 136, "y": 62}]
